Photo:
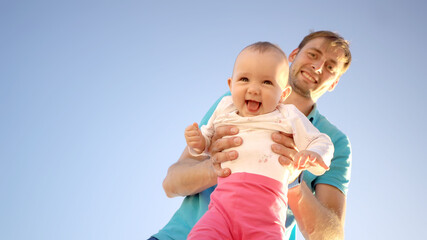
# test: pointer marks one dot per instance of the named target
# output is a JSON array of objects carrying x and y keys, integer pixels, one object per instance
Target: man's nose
[{"x": 318, "y": 66}]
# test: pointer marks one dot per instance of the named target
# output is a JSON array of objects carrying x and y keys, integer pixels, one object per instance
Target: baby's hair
[{"x": 264, "y": 47}]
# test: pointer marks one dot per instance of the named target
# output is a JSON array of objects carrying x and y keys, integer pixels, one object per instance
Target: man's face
[
  {"x": 254, "y": 86},
  {"x": 315, "y": 68}
]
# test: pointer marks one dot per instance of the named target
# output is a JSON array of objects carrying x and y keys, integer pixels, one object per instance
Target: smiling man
[
  {"x": 320, "y": 67},
  {"x": 318, "y": 202}
]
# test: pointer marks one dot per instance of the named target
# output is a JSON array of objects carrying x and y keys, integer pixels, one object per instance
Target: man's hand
[
  {"x": 287, "y": 150},
  {"x": 219, "y": 144},
  {"x": 285, "y": 147}
]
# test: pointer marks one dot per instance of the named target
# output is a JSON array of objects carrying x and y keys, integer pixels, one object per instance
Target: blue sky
[{"x": 95, "y": 96}]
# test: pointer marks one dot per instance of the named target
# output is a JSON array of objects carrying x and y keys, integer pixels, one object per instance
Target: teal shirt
[{"x": 193, "y": 207}]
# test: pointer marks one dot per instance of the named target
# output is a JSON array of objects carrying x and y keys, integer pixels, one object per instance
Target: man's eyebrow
[
  {"x": 316, "y": 50},
  {"x": 333, "y": 61}
]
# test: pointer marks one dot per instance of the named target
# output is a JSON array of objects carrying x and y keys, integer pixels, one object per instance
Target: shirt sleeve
[{"x": 340, "y": 170}]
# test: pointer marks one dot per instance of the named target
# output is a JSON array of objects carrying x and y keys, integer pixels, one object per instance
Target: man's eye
[
  {"x": 312, "y": 55},
  {"x": 331, "y": 68}
]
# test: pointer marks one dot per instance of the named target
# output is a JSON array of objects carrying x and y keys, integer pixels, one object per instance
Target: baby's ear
[
  {"x": 285, "y": 94},
  {"x": 229, "y": 83}
]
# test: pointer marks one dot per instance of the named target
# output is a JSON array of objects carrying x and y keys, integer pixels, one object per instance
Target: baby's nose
[{"x": 254, "y": 89}]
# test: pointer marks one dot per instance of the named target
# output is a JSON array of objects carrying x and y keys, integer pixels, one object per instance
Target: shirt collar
[{"x": 313, "y": 116}]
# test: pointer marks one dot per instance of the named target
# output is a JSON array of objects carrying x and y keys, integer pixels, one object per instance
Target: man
[{"x": 317, "y": 65}]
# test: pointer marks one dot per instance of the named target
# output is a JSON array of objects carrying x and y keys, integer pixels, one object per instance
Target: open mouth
[
  {"x": 253, "y": 106},
  {"x": 308, "y": 77}
]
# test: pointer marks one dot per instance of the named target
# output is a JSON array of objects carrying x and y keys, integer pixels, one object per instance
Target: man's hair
[
  {"x": 336, "y": 40},
  {"x": 264, "y": 47}
]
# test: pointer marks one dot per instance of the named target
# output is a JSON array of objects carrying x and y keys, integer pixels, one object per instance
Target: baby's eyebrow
[{"x": 242, "y": 74}]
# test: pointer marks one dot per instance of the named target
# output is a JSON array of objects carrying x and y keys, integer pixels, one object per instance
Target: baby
[{"x": 251, "y": 203}]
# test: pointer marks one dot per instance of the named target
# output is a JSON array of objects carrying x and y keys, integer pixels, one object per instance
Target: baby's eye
[
  {"x": 244, "y": 79},
  {"x": 268, "y": 82}
]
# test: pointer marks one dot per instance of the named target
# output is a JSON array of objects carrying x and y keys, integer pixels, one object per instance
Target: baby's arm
[
  {"x": 199, "y": 140},
  {"x": 306, "y": 159},
  {"x": 195, "y": 140},
  {"x": 316, "y": 148}
]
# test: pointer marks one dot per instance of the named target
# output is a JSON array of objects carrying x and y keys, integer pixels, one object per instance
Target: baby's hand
[
  {"x": 305, "y": 159},
  {"x": 194, "y": 138}
]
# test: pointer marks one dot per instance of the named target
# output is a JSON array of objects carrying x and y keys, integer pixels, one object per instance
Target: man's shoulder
[
  {"x": 325, "y": 126},
  {"x": 338, "y": 137}
]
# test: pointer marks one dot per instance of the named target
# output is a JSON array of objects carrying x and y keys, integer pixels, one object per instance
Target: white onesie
[{"x": 255, "y": 154}]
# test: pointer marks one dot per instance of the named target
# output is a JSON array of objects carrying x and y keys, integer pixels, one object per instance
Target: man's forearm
[
  {"x": 318, "y": 218},
  {"x": 188, "y": 176}
]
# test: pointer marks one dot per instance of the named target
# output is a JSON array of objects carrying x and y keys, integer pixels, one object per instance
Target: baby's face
[{"x": 254, "y": 86}]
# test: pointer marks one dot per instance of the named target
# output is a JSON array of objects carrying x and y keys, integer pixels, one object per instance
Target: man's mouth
[
  {"x": 308, "y": 77},
  {"x": 253, "y": 106}
]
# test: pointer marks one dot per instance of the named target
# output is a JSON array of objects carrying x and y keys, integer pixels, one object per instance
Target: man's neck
[{"x": 305, "y": 105}]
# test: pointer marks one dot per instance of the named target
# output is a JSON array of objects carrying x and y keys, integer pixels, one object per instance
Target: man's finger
[
  {"x": 223, "y": 131},
  {"x": 223, "y": 172},
  {"x": 221, "y": 157},
  {"x": 225, "y": 143},
  {"x": 284, "y": 161},
  {"x": 284, "y": 139},
  {"x": 284, "y": 151}
]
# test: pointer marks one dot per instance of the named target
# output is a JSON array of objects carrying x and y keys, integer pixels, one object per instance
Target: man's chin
[{"x": 302, "y": 92}]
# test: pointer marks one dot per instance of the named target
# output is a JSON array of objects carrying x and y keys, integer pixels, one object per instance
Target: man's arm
[
  {"x": 191, "y": 175},
  {"x": 321, "y": 216}
]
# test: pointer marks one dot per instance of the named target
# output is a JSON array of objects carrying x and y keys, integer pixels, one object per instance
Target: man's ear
[
  {"x": 229, "y": 83},
  {"x": 293, "y": 54},
  {"x": 285, "y": 94},
  {"x": 333, "y": 85}
]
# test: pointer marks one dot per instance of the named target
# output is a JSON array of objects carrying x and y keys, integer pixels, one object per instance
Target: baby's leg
[
  {"x": 211, "y": 226},
  {"x": 258, "y": 206}
]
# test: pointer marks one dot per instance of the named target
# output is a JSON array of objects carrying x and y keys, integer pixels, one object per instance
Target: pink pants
[{"x": 244, "y": 206}]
